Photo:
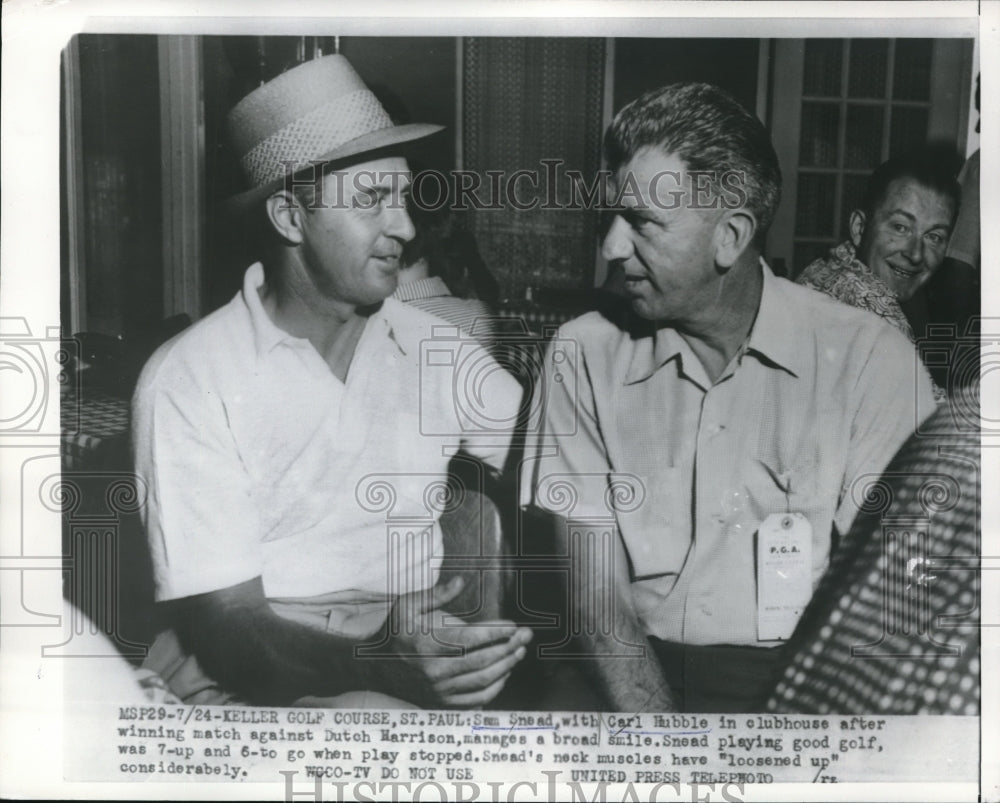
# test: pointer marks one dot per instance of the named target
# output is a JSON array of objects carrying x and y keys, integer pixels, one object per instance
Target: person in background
[
  {"x": 956, "y": 288},
  {"x": 722, "y": 425},
  {"x": 444, "y": 274},
  {"x": 898, "y": 239}
]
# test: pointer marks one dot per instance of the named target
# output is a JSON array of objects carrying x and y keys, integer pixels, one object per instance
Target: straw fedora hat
[{"x": 316, "y": 113}]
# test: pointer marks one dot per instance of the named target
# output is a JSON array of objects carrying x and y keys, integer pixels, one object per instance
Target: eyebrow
[
  {"x": 382, "y": 190},
  {"x": 908, "y": 216}
]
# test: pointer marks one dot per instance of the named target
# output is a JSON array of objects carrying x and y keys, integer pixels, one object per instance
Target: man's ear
[
  {"x": 286, "y": 216},
  {"x": 734, "y": 233},
  {"x": 857, "y": 226}
]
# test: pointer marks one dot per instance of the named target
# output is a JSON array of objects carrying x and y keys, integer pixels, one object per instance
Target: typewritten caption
[{"x": 237, "y": 744}]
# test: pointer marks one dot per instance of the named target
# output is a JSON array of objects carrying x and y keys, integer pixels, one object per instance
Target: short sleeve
[
  {"x": 566, "y": 466},
  {"x": 200, "y": 522}
]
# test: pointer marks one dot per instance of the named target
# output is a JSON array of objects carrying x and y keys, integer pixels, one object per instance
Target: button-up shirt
[
  {"x": 816, "y": 402},
  {"x": 258, "y": 461}
]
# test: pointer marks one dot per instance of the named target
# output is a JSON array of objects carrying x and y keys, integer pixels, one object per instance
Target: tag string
[{"x": 786, "y": 486}]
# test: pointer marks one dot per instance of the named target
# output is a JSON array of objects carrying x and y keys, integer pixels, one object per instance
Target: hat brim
[{"x": 352, "y": 150}]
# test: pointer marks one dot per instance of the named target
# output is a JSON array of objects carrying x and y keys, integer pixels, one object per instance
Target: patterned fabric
[
  {"x": 844, "y": 277},
  {"x": 894, "y": 627},
  {"x": 558, "y": 115},
  {"x": 314, "y": 134}
]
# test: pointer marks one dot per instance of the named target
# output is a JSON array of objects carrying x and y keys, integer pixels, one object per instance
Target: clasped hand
[{"x": 465, "y": 663}]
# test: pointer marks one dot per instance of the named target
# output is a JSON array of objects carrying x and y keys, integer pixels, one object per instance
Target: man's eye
[
  {"x": 900, "y": 228},
  {"x": 936, "y": 239},
  {"x": 636, "y": 221},
  {"x": 366, "y": 200}
]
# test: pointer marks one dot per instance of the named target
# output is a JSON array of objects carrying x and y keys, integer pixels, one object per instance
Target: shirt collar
[
  {"x": 400, "y": 324},
  {"x": 844, "y": 252},
  {"x": 844, "y": 257},
  {"x": 267, "y": 334},
  {"x": 779, "y": 325},
  {"x": 772, "y": 338}
]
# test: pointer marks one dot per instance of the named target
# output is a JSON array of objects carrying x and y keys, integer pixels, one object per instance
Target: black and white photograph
[{"x": 498, "y": 404}]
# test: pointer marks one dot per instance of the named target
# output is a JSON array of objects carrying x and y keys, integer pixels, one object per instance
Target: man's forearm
[
  {"x": 624, "y": 666},
  {"x": 621, "y": 662},
  {"x": 270, "y": 660}
]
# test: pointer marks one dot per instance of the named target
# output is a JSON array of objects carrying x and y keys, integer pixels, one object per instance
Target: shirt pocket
[{"x": 654, "y": 522}]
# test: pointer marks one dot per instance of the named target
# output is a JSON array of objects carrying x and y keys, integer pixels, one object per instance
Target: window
[{"x": 844, "y": 106}]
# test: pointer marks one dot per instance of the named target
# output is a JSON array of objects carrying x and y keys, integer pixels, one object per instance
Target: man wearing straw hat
[{"x": 277, "y": 435}]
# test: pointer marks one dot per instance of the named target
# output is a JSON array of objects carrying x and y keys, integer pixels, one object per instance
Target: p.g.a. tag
[{"x": 784, "y": 574}]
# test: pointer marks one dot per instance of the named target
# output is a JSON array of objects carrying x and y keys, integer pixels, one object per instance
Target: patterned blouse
[{"x": 843, "y": 276}]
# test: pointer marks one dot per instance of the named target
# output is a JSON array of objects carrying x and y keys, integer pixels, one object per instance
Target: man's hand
[{"x": 466, "y": 664}]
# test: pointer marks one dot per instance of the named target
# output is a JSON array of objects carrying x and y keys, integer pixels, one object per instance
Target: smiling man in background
[{"x": 898, "y": 239}]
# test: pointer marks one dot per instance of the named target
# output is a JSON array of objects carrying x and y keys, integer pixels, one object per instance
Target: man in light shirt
[{"x": 724, "y": 423}]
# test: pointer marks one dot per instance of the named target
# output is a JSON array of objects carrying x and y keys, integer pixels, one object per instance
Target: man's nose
[
  {"x": 914, "y": 250},
  {"x": 400, "y": 225},
  {"x": 617, "y": 244}
]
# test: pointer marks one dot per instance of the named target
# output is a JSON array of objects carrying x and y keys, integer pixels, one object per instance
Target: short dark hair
[
  {"x": 924, "y": 168},
  {"x": 707, "y": 128}
]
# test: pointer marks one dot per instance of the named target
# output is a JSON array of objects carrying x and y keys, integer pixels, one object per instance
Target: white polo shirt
[{"x": 259, "y": 461}]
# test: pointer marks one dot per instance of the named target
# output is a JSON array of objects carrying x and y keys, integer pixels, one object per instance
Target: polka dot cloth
[{"x": 893, "y": 628}]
